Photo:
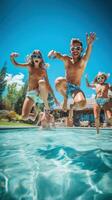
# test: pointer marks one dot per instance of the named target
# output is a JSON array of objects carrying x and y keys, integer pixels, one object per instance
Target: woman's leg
[
  {"x": 43, "y": 91},
  {"x": 26, "y": 109},
  {"x": 60, "y": 84}
]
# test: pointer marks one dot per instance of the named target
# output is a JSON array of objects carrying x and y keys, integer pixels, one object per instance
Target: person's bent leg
[
  {"x": 26, "y": 109},
  {"x": 79, "y": 100},
  {"x": 43, "y": 91},
  {"x": 60, "y": 84},
  {"x": 96, "y": 110}
]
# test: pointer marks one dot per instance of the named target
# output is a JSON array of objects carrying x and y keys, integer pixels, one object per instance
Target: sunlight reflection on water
[{"x": 59, "y": 164}]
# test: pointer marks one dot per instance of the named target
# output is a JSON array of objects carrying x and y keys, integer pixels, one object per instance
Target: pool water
[{"x": 59, "y": 164}]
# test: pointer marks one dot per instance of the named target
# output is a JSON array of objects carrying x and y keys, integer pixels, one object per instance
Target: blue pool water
[{"x": 61, "y": 164}]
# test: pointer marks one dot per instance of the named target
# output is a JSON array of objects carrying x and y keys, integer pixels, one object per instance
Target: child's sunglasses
[{"x": 100, "y": 78}]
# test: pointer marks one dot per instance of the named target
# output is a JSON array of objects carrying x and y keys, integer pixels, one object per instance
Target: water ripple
[{"x": 55, "y": 165}]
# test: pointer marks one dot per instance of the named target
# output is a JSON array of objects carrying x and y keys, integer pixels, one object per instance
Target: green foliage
[
  {"x": 14, "y": 99},
  {"x": 11, "y": 97},
  {"x": 19, "y": 101},
  {"x": 3, "y": 83},
  {"x": 14, "y": 124}
]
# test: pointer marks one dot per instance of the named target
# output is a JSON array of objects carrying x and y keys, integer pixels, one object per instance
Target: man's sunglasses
[{"x": 78, "y": 48}]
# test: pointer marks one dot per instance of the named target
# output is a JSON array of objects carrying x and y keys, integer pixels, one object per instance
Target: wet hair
[{"x": 75, "y": 40}]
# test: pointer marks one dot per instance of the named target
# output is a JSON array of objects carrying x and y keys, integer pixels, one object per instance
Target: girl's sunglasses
[
  {"x": 100, "y": 78},
  {"x": 36, "y": 56}
]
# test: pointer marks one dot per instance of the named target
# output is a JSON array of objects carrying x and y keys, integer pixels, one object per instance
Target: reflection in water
[{"x": 55, "y": 165}]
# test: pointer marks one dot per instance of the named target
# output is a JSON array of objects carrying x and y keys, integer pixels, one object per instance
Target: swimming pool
[{"x": 59, "y": 164}]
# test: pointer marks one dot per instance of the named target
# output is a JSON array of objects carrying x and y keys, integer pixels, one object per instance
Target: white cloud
[{"x": 18, "y": 79}]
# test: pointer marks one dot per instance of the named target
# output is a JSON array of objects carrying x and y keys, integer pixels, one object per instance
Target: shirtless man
[
  {"x": 74, "y": 66},
  {"x": 39, "y": 88},
  {"x": 102, "y": 99},
  {"x": 46, "y": 119}
]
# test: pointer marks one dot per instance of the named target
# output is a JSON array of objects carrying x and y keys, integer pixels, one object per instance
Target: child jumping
[{"x": 102, "y": 100}]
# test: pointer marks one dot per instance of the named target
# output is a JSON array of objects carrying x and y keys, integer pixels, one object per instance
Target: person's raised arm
[
  {"x": 53, "y": 54},
  {"x": 13, "y": 56},
  {"x": 87, "y": 82},
  {"x": 90, "y": 38}
]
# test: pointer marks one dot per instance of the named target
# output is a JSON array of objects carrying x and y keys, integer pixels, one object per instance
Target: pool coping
[
  {"x": 71, "y": 128},
  {"x": 16, "y": 127}
]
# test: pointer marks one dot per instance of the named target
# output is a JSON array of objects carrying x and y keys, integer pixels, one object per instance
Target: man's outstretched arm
[{"x": 53, "y": 54}]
